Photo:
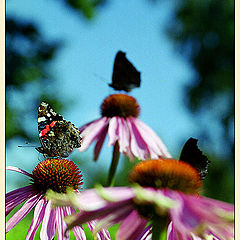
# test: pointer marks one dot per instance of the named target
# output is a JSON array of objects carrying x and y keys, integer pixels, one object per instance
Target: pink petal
[
  {"x": 48, "y": 225},
  {"x": 124, "y": 135},
  {"x": 129, "y": 154},
  {"x": 78, "y": 230},
  {"x": 79, "y": 233},
  {"x": 101, "y": 235},
  {"x": 37, "y": 219},
  {"x": 192, "y": 211},
  {"x": 92, "y": 131},
  {"x": 151, "y": 138},
  {"x": 81, "y": 129},
  {"x": 218, "y": 204},
  {"x": 11, "y": 195},
  {"x": 171, "y": 234},
  {"x": 91, "y": 200},
  {"x": 138, "y": 146},
  {"x": 60, "y": 224},
  {"x": 22, "y": 212},
  {"x": 99, "y": 143},
  {"x": 17, "y": 196},
  {"x": 154, "y": 150},
  {"x": 147, "y": 233},
  {"x": 18, "y": 170},
  {"x": 137, "y": 223},
  {"x": 116, "y": 212},
  {"x": 113, "y": 132}
]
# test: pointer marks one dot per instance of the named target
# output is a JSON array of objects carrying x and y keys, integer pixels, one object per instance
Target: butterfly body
[
  {"x": 125, "y": 76},
  {"x": 58, "y": 137}
]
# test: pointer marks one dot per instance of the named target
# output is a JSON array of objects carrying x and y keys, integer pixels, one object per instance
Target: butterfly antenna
[
  {"x": 100, "y": 77},
  {"x": 27, "y": 145}
]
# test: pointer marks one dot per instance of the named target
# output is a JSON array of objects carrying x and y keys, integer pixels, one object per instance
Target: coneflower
[
  {"x": 57, "y": 175},
  {"x": 129, "y": 135},
  {"x": 166, "y": 193}
]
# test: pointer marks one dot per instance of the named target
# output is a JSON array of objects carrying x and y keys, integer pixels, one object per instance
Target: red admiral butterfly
[
  {"x": 58, "y": 137},
  {"x": 125, "y": 76},
  {"x": 194, "y": 156}
]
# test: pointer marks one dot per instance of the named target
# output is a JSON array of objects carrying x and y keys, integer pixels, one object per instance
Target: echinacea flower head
[
  {"x": 57, "y": 175},
  {"x": 167, "y": 195},
  {"x": 119, "y": 121}
]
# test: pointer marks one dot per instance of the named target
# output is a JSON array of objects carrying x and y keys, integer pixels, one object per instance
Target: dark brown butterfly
[
  {"x": 58, "y": 137},
  {"x": 194, "y": 156},
  {"x": 125, "y": 76}
]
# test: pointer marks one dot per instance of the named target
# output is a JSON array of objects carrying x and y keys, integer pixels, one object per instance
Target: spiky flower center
[
  {"x": 56, "y": 174},
  {"x": 166, "y": 173},
  {"x": 121, "y": 105}
]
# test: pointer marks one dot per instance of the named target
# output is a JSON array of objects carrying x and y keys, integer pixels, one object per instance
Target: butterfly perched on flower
[
  {"x": 194, "y": 156},
  {"x": 125, "y": 76},
  {"x": 58, "y": 137}
]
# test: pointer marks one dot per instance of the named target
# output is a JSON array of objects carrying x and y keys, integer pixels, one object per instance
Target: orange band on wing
[{"x": 47, "y": 128}]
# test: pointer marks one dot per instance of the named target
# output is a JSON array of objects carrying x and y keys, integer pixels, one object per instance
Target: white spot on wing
[
  {"x": 52, "y": 112},
  {"x": 41, "y": 119}
]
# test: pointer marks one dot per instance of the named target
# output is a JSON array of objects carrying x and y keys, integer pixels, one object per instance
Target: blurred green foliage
[
  {"x": 86, "y": 7},
  {"x": 204, "y": 32},
  {"x": 28, "y": 56}
]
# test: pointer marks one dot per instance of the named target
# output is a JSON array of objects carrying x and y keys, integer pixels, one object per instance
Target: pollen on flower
[
  {"x": 56, "y": 174},
  {"x": 166, "y": 173},
  {"x": 121, "y": 105}
]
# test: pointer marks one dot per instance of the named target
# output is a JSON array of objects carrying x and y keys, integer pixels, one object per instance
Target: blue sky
[{"x": 83, "y": 67}]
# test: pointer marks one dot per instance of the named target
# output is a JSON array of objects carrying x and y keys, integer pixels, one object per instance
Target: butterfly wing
[
  {"x": 58, "y": 137},
  {"x": 47, "y": 118},
  {"x": 125, "y": 76},
  {"x": 194, "y": 156}
]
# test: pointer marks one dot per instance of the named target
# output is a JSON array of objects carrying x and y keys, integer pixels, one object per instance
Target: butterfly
[
  {"x": 194, "y": 156},
  {"x": 58, "y": 137},
  {"x": 125, "y": 76}
]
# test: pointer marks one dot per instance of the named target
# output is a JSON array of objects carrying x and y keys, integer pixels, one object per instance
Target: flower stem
[
  {"x": 113, "y": 168},
  {"x": 159, "y": 228}
]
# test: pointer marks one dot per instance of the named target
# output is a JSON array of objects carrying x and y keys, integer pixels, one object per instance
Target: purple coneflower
[
  {"x": 167, "y": 197},
  {"x": 126, "y": 132},
  {"x": 57, "y": 175}
]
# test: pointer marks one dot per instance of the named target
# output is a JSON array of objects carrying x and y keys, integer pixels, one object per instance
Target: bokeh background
[{"x": 63, "y": 52}]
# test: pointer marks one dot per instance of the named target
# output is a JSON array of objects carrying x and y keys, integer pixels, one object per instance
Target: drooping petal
[
  {"x": 81, "y": 129},
  {"x": 37, "y": 218},
  {"x": 171, "y": 233},
  {"x": 18, "y": 170},
  {"x": 113, "y": 131},
  {"x": 151, "y": 138},
  {"x": 137, "y": 223},
  {"x": 92, "y": 199},
  {"x": 22, "y": 212},
  {"x": 78, "y": 230},
  {"x": 17, "y": 196},
  {"x": 101, "y": 235},
  {"x": 110, "y": 218},
  {"x": 124, "y": 135},
  {"x": 48, "y": 225},
  {"x": 99, "y": 143},
  {"x": 146, "y": 234},
  {"x": 60, "y": 224},
  {"x": 195, "y": 212},
  {"x": 138, "y": 146},
  {"x": 91, "y": 132},
  {"x": 111, "y": 213}
]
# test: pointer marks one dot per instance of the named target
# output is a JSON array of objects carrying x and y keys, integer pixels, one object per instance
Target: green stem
[
  {"x": 113, "y": 168},
  {"x": 159, "y": 228}
]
